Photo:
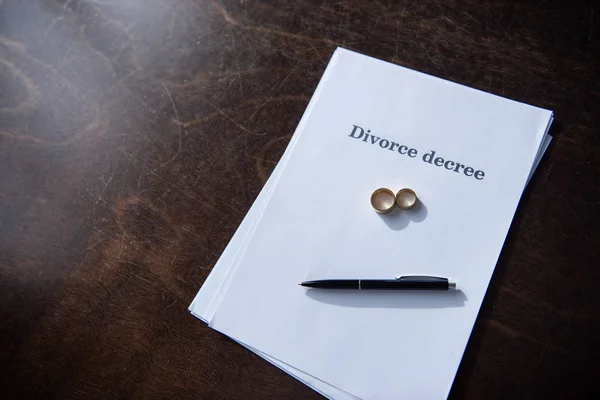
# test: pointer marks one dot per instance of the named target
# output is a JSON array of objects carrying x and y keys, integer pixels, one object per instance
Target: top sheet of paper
[{"x": 318, "y": 224}]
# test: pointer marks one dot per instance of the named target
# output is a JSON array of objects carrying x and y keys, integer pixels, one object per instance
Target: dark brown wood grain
[{"x": 134, "y": 136}]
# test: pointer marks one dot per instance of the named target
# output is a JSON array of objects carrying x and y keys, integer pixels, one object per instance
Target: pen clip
[{"x": 420, "y": 278}]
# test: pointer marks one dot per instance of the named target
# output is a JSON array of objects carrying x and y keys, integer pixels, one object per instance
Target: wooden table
[{"x": 124, "y": 125}]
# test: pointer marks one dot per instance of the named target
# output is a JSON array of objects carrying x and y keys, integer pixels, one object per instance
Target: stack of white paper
[{"x": 313, "y": 220}]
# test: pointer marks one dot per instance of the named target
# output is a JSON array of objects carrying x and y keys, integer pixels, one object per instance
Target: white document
[
  {"x": 318, "y": 223},
  {"x": 203, "y": 304}
]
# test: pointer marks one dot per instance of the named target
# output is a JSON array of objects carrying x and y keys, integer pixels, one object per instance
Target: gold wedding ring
[
  {"x": 406, "y": 198},
  {"x": 383, "y": 200}
]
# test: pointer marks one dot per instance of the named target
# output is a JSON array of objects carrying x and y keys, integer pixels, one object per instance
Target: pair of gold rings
[{"x": 383, "y": 200}]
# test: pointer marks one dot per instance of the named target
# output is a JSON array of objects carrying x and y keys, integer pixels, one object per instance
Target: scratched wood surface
[{"x": 134, "y": 136}]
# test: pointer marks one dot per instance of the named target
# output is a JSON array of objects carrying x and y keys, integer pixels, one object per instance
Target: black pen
[{"x": 398, "y": 283}]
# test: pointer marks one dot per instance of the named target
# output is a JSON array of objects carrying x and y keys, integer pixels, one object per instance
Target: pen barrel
[
  {"x": 332, "y": 284},
  {"x": 414, "y": 284}
]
